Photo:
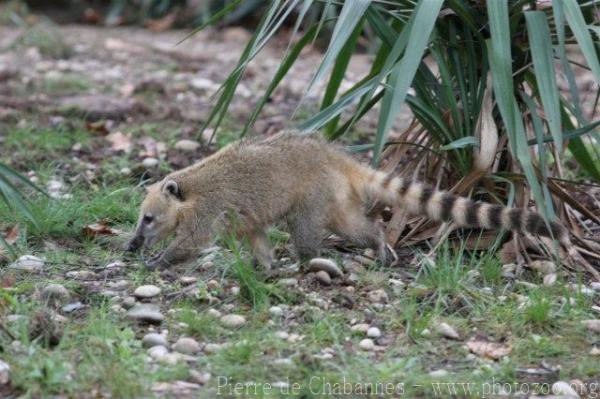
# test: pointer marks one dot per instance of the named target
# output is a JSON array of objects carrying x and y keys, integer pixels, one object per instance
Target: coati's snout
[{"x": 158, "y": 215}]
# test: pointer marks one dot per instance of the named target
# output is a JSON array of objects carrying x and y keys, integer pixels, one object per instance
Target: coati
[{"x": 314, "y": 187}]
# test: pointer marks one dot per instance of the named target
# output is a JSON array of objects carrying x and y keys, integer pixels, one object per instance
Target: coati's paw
[{"x": 156, "y": 262}]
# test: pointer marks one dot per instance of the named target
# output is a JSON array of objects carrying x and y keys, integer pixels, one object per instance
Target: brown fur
[{"x": 313, "y": 186}]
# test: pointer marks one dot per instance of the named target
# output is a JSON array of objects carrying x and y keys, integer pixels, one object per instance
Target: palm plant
[
  {"x": 12, "y": 195},
  {"x": 481, "y": 81}
]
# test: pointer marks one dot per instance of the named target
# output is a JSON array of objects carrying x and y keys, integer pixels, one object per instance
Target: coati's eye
[{"x": 148, "y": 218}]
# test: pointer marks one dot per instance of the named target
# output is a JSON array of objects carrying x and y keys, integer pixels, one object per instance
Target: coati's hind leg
[
  {"x": 307, "y": 230},
  {"x": 262, "y": 247}
]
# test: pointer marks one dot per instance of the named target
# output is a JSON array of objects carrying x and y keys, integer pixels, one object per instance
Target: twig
[{"x": 7, "y": 331}]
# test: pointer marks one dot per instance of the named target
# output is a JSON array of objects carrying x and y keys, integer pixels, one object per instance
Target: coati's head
[{"x": 158, "y": 214}]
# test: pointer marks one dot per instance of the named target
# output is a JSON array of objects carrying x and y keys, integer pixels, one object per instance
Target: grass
[{"x": 101, "y": 351}]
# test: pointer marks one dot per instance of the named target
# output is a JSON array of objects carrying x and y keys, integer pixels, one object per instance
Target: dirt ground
[{"x": 89, "y": 113}]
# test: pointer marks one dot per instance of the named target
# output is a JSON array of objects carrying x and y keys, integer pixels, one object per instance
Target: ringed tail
[{"x": 421, "y": 199}]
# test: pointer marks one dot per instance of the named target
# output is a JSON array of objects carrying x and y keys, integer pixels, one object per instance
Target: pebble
[
  {"x": 327, "y": 265},
  {"x": 373, "y": 332},
  {"x": 288, "y": 282},
  {"x": 128, "y": 302},
  {"x": 146, "y": 291},
  {"x": 146, "y": 312},
  {"x": 71, "y": 307},
  {"x": 438, "y": 373},
  {"x": 563, "y": 388},
  {"x": 595, "y": 351},
  {"x": 446, "y": 330},
  {"x": 115, "y": 265},
  {"x": 187, "y": 346},
  {"x": 233, "y": 320},
  {"x": 212, "y": 285},
  {"x": 28, "y": 263},
  {"x": 367, "y": 344},
  {"x": 118, "y": 285},
  {"x": 198, "y": 377},
  {"x": 508, "y": 270},
  {"x": 212, "y": 348},
  {"x": 360, "y": 327},
  {"x": 154, "y": 339},
  {"x": 150, "y": 162},
  {"x": 4, "y": 372},
  {"x": 323, "y": 277},
  {"x": 275, "y": 311},
  {"x": 595, "y": 285},
  {"x": 158, "y": 352},
  {"x": 187, "y": 280},
  {"x": 214, "y": 312},
  {"x": 543, "y": 266},
  {"x": 378, "y": 296},
  {"x": 81, "y": 275},
  {"x": 282, "y": 334},
  {"x": 187, "y": 145},
  {"x": 592, "y": 325},
  {"x": 550, "y": 279},
  {"x": 55, "y": 291}
]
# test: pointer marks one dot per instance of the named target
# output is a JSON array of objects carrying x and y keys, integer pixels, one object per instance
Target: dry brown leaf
[
  {"x": 11, "y": 234},
  {"x": 120, "y": 142},
  {"x": 98, "y": 229},
  {"x": 161, "y": 24},
  {"x": 97, "y": 127},
  {"x": 484, "y": 348}
]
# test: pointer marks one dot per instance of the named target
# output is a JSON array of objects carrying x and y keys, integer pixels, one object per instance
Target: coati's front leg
[
  {"x": 183, "y": 247},
  {"x": 262, "y": 248}
]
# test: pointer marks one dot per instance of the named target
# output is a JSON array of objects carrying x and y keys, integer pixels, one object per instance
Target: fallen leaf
[
  {"x": 120, "y": 142},
  {"x": 11, "y": 234},
  {"x": 161, "y": 24},
  {"x": 97, "y": 127},
  {"x": 98, "y": 229},
  {"x": 484, "y": 348}
]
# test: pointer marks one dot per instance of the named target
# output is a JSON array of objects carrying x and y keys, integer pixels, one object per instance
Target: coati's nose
[{"x": 135, "y": 243}]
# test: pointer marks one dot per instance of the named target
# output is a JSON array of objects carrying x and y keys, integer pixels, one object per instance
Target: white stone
[
  {"x": 212, "y": 348},
  {"x": 323, "y": 277},
  {"x": 55, "y": 291},
  {"x": 275, "y": 311},
  {"x": 157, "y": 352},
  {"x": 187, "y": 346},
  {"x": 128, "y": 302},
  {"x": 146, "y": 312},
  {"x": 4, "y": 372},
  {"x": 438, "y": 373},
  {"x": 592, "y": 325},
  {"x": 360, "y": 327},
  {"x": 150, "y": 162},
  {"x": 154, "y": 339},
  {"x": 446, "y": 330},
  {"x": 327, "y": 265},
  {"x": 187, "y": 280},
  {"x": 28, "y": 263},
  {"x": 564, "y": 389},
  {"x": 187, "y": 145},
  {"x": 288, "y": 282},
  {"x": 373, "y": 332},
  {"x": 367, "y": 344},
  {"x": 550, "y": 279},
  {"x": 233, "y": 320},
  {"x": 378, "y": 296},
  {"x": 146, "y": 291}
]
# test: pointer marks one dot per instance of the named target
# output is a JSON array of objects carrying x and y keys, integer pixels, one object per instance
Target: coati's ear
[{"x": 172, "y": 188}]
